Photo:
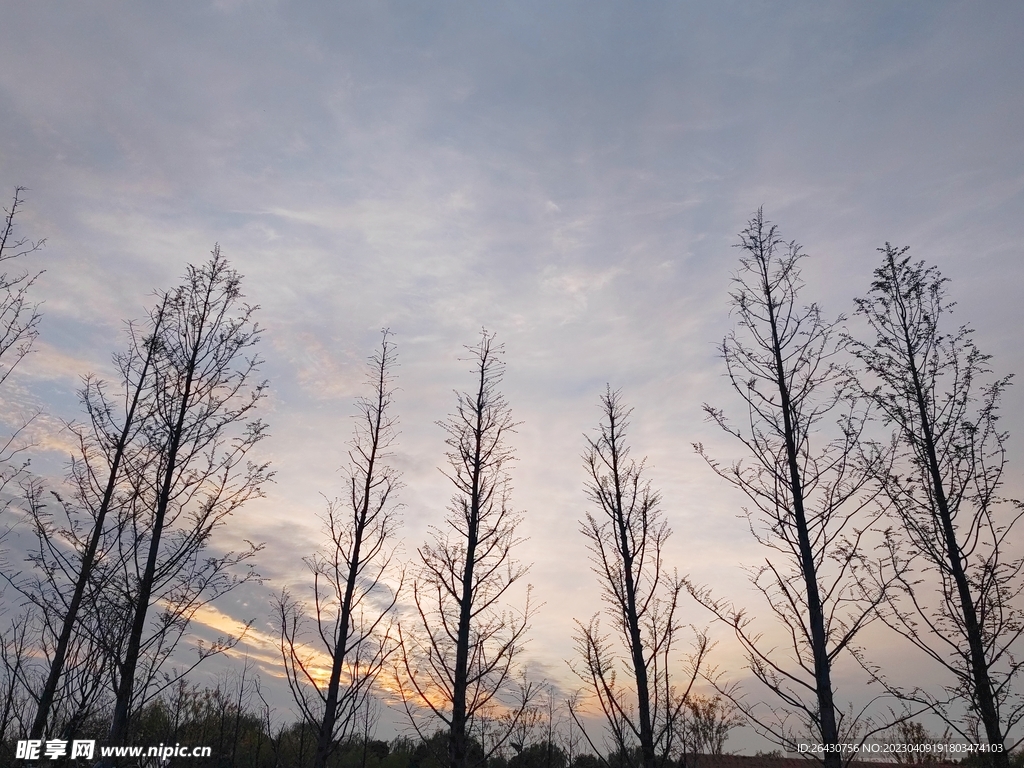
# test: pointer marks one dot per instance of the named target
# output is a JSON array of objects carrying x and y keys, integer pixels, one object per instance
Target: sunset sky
[{"x": 571, "y": 176}]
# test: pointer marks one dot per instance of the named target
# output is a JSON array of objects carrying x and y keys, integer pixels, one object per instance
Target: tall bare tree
[
  {"x": 96, "y": 474},
  {"x": 19, "y": 328},
  {"x": 626, "y": 536},
  {"x": 195, "y": 471},
  {"x": 809, "y": 492},
  {"x": 352, "y": 600},
  {"x": 936, "y": 389},
  {"x": 461, "y": 658}
]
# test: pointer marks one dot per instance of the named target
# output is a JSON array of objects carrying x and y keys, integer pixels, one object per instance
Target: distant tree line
[{"x": 872, "y": 462}]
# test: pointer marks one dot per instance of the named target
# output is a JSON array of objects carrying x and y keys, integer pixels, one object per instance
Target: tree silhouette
[
  {"x": 351, "y": 600},
  {"x": 103, "y": 445},
  {"x": 626, "y": 536},
  {"x": 461, "y": 658},
  {"x": 809, "y": 493},
  {"x": 954, "y": 525},
  {"x": 195, "y": 472}
]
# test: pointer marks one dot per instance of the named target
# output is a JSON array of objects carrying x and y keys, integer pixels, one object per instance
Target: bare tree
[
  {"x": 626, "y": 537},
  {"x": 708, "y": 722},
  {"x": 19, "y": 328},
  {"x": 945, "y": 493},
  {"x": 351, "y": 599},
  {"x": 551, "y": 739},
  {"x": 195, "y": 471},
  {"x": 65, "y": 557},
  {"x": 95, "y": 475},
  {"x": 809, "y": 492},
  {"x": 461, "y": 660},
  {"x": 154, "y": 476}
]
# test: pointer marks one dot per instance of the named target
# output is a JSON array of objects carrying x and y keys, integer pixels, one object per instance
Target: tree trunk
[
  {"x": 815, "y": 617},
  {"x": 457, "y": 745},
  {"x": 643, "y": 692}
]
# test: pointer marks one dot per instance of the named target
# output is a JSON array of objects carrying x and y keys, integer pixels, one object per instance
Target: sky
[{"x": 570, "y": 176}]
